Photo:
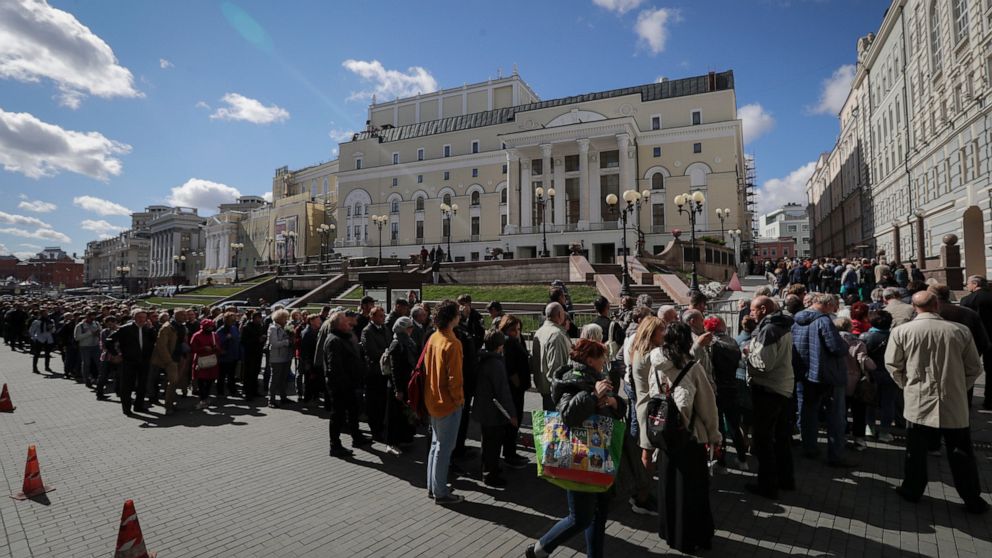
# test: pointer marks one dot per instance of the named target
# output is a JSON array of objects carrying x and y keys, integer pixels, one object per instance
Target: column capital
[
  {"x": 583, "y": 145},
  {"x": 513, "y": 154},
  {"x": 623, "y": 139},
  {"x": 546, "y": 149}
]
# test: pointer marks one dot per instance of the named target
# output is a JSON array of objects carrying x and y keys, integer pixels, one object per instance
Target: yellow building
[{"x": 491, "y": 149}]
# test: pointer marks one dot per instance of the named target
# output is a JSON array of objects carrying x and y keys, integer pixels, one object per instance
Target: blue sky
[{"x": 113, "y": 105}]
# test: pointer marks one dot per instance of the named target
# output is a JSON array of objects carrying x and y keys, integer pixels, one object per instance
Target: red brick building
[
  {"x": 774, "y": 248},
  {"x": 51, "y": 268}
]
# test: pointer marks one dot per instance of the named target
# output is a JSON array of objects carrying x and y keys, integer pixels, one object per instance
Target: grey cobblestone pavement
[{"x": 246, "y": 481}]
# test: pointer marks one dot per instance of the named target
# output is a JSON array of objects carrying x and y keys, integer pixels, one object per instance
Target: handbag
[
  {"x": 206, "y": 361},
  {"x": 866, "y": 389},
  {"x": 583, "y": 458},
  {"x": 664, "y": 428}
]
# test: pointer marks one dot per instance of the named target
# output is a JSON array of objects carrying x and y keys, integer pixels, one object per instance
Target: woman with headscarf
[
  {"x": 403, "y": 355},
  {"x": 206, "y": 364}
]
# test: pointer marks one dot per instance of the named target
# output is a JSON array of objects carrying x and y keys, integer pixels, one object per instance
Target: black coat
[
  {"x": 253, "y": 339},
  {"x": 375, "y": 341},
  {"x": 517, "y": 363},
  {"x": 403, "y": 355},
  {"x": 343, "y": 363},
  {"x": 980, "y": 301},
  {"x": 308, "y": 347},
  {"x": 125, "y": 342},
  {"x": 573, "y": 390}
]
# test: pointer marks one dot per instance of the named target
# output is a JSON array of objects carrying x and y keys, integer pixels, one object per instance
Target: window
[
  {"x": 658, "y": 181},
  {"x": 475, "y": 146},
  {"x": 504, "y": 168},
  {"x": 447, "y": 199},
  {"x": 475, "y": 198},
  {"x": 571, "y": 163},
  {"x": 394, "y": 230},
  {"x": 420, "y": 230},
  {"x": 447, "y": 151},
  {"x": 935, "y": 61},
  {"x": 349, "y": 211},
  {"x": 420, "y": 179},
  {"x": 325, "y": 191},
  {"x": 475, "y": 173},
  {"x": 358, "y": 209},
  {"x": 697, "y": 117},
  {"x": 502, "y": 223},
  {"x": 349, "y": 233},
  {"x": 395, "y": 181},
  {"x": 608, "y": 184},
  {"x": 609, "y": 159},
  {"x": 656, "y": 152},
  {"x": 447, "y": 175},
  {"x": 420, "y": 154},
  {"x": 420, "y": 204},
  {"x": 396, "y": 158},
  {"x": 658, "y": 216},
  {"x": 502, "y": 196},
  {"x": 475, "y": 225},
  {"x": 358, "y": 163},
  {"x": 697, "y": 148},
  {"x": 959, "y": 11},
  {"x": 394, "y": 206},
  {"x": 358, "y": 232},
  {"x": 655, "y": 122},
  {"x": 536, "y": 167}
]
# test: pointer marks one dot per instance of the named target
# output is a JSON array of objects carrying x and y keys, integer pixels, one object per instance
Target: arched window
[
  {"x": 475, "y": 198},
  {"x": 502, "y": 196},
  {"x": 658, "y": 181},
  {"x": 935, "y": 60},
  {"x": 358, "y": 209},
  {"x": 447, "y": 199},
  {"x": 697, "y": 173},
  {"x": 959, "y": 11},
  {"x": 394, "y": 206},
  {"x": 420, "y": 203}
]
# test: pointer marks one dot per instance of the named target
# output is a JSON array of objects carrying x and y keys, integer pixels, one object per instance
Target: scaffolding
[{"x": 750, "y": 191}]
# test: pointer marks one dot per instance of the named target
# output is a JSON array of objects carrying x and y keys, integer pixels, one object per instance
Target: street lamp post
[
  {"x": 695, "y": 203},
  {"x": 268, "y": 249},
  {"x": 291, "y": 244},
  {"x": 643, "y": 200},
  {"x": 380, "y": 221},
  {"x": 447, "y": 212},
  {"x": 631, "y": 197},
  {"x": 324, "y": 230},
  {"x": 237, "y": 247},
  {"x": 180, "y": 261},
  {"x": 722, "y": 214},
  {"x": 735, "y": 236},
  {"x": 123, "y": 270},
  {"x": 541, "y": 201}
]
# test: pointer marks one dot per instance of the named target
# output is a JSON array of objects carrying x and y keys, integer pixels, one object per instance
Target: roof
[{"x": 648, "y": 92}]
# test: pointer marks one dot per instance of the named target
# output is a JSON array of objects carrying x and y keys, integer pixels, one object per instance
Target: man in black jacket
[
  {"x": 980, "y": 300},
  {"x": 344, "y": 369},
  {"x": 252, "y": 342},
  {"x": 135, "y": 342},
  {"x": 375, "y": 340},
  {"x": 313, "y": 372}
]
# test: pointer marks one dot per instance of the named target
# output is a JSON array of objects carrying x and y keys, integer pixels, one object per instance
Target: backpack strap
[
  {"x": 685, "y": 370},
  {"x": 420, "y": 361}
]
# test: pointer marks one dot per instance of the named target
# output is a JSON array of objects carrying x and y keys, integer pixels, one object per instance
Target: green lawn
[
  {"x": 179, "y": 301},
  {"x": 220, "y": 290},
  {"x": 581, "y": 294}
]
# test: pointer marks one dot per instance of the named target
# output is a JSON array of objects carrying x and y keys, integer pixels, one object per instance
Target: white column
[
  {"x": 560, "y": 198},
  {"x": 584, "y": 201},
  {"x": 623, "y": 140},
  {"x": 526, "y": 195},
  {"x": 546, "y": 180},
  {"x": 512, "y": 190},
  {"x": 595, "y": 194}
]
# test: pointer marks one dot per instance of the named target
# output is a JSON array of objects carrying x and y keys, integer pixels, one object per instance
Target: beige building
[
  {"x": 487, "y": 148},
  {"x": 920, "y": 105}
]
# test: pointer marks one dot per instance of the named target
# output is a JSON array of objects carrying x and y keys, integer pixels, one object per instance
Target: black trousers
[
  {"x": 226, "y": 378},
  {"x": 730, "y": 419},
  {"x": 250, "y": 368},
  {"x": 492, "y": 441},
  {"x": 134, "y": 378},
  {"x": 375, "y": 403},
  {"x": 960, "y": 454},
  {"x": 343, "y": 406},
  {"x": 39, "y": 349},
  {"x": 772, "y": 439},
  {"x": 510, "y": 439},
  {"x": 686, "y": 520}
]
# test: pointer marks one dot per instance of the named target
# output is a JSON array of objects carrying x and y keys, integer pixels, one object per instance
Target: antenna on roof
[
  {"x": 515, "y": 72},
  {"x": 499, "y": 72},
  {"x": 373, "y": 98}
]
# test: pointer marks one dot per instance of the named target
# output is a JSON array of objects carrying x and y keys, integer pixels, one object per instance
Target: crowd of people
[{"x": 891, "y": 351}]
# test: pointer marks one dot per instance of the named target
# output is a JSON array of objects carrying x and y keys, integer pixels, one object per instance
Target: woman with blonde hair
[{"x": 649, "y": 335}]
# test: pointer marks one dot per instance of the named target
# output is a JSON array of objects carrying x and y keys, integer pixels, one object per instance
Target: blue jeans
[
  {"x": 586, "y": 512},
  {"x": 633, "y": 429},
  {"x": 444, "y": 432},
  {"x": 90, "y": 363},
  {"x": 813, "y": 396}
]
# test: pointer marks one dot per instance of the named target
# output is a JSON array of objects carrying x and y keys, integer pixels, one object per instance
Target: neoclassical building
[{"x": 491, "y": 148}]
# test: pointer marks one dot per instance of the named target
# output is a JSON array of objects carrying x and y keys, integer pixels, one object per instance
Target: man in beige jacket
[
  {"x": 164, "y": 358},
  {"x": 935, "y": 362},
  {"x": 549, "y": 351}
]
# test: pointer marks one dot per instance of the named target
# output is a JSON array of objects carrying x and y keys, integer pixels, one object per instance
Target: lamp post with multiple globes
[
  {"x": 722, "y": 215},
  {"x": 237, "y": 247},
  {"x": 632, "y": 199},
  {"x": 447, "y": 212},
  {"x": 692, "y": 205},
  {"x": 123, "y": 270},
  {"x": 380, "y": 221},
  {"x": 541, "y": 202}
]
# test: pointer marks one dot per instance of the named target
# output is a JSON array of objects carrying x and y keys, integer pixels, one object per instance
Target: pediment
[{"x": 575, "y": 116}]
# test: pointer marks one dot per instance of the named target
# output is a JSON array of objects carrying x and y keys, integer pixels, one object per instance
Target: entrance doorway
[{"x": 973, "y": 227}]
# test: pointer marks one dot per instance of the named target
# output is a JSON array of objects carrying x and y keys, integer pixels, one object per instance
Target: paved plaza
[{"x": 244, "y": 481}]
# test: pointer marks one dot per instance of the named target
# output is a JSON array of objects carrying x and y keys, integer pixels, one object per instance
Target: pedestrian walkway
[{"x": 250, "y": 481}]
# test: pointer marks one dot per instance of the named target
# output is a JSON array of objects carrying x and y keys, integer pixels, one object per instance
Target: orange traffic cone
[
  {"x": 5, "y": 405},
  {"x": 130, "y": 542},
  {"x": 33, "y": 486}
]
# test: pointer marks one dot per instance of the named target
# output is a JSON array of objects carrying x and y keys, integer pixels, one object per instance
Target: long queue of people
[{"x": 801, "y": 358}]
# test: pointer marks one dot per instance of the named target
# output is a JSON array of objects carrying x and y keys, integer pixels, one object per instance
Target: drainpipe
[{"x": 905, "y": 119}]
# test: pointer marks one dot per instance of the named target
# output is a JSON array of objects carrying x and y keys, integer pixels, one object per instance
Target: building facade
[
  {"x": 51, "y": 267},
  {"x": 790, "y": 221},
  {"x": 476, "y": 166},
  {"x": 920, "y": 112},
  {"x": 176, "y": 248},
  {"x": 775, "y": 249},
  {"x": 221, "y": 231}
]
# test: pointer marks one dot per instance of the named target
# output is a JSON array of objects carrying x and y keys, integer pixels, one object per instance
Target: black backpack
[{"x": 664, "y": 428}]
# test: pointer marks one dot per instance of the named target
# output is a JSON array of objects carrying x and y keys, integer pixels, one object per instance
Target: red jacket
[{"x": 202, "y": 344}]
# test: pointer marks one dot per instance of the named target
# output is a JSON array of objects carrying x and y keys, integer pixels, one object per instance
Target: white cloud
[
  {"x": 39, "y": 42},
  {"x": 267, "y": 197},
  {"x": 390, "y": 84},
  {"x": 4, "y": 250},
  {"x": 30, "y": 246},
  {"x": 340, "y": 136},
  {"x": 23, "y": 220},
  {"x": 36, "y": 206},
  {"x": 652, "y": 27},
  {"x": 756, "y": 121},
  {"x": 100, "y": 206},
  {"x": 791, "y": 188},
  {"x": 165, "y": 64},
  {"x": 618, "y": 6},
  {"x": 40, "y": 234},
  {"x": 835, "y": 90},
  {"x": 203, "y": 195},
  {"x": 202, "y": 105},
  {"x": 101, "y": 227},
  {"x": 251, "y": 110},
  {"x": 35, "y": 148}
]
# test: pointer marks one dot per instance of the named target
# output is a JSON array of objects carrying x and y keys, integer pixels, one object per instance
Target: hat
[
  {"x": 206, "y": 322},
  {"x": 402, "y": 324},
  {"x": 351, "y": 313},
  {"x": 495, "y": 305}
]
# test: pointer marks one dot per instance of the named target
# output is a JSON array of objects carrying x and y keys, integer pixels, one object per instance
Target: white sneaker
[
  {"x": 885, "y": 437},
  {"x": 869, "y": 430},
  {"x": 393, "y": 450}
]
